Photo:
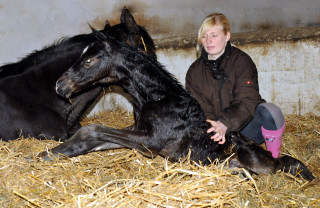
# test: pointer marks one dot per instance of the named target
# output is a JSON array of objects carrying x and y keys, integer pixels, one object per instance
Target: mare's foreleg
[{"x": 97, "y": 137}]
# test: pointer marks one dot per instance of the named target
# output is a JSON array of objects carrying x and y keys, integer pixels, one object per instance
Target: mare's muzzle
[{"x": 65, "y": 87}]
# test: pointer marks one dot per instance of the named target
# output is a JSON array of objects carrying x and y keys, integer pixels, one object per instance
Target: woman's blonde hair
[{"x": 208, "y": 22}]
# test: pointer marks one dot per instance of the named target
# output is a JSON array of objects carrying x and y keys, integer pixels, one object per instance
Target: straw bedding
[{"x": 124, "y": 178}]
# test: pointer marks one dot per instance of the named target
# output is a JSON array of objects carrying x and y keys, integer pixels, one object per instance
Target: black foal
[{"x": 168, "y": 120}]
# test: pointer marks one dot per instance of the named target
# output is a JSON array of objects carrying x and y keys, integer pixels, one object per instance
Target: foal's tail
[{"x": 295, "y": 167}]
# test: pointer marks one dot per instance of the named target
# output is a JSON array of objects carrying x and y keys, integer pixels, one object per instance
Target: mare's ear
[{"x": 128, "y": 20}]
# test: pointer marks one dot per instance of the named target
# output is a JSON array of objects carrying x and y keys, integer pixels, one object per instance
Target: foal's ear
[
  {"x": 107, "y": 26},
  {"x": 92, "y": 28},
  {"x": 100, "y": 36},
  {"x": 128, "y": 20}
]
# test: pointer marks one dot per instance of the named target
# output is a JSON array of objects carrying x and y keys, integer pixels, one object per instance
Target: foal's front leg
[
  {"x": 97, "y": 137},
  {"x": 82, "y": 142}
]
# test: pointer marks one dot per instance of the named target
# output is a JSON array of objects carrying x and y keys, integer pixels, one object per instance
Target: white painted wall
[
  {"x": 289, "y": 74},
  {"x": 287, "y": 78}
]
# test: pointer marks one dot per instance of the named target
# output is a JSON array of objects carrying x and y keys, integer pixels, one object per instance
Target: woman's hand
[{"x": 220, "y": 131}]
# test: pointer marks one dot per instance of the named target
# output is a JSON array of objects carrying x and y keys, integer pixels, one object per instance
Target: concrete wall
[
  {"x": 289, "y": 72},
  {"x": 288, "y": 67}
]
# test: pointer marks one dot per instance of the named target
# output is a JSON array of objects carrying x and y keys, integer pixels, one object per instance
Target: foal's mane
[{"x": 153, "y": 65}]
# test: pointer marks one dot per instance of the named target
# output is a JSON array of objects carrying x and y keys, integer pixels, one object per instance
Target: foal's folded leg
[
  {"x": 260, "y": 161},
  {"x": 296, "y": 167}
]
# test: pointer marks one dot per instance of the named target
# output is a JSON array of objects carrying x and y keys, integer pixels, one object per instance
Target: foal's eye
[{"x": 87, "y": 63}]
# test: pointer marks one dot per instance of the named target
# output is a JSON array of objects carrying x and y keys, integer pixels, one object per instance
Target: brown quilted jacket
[{"x": 239, "y": 93}]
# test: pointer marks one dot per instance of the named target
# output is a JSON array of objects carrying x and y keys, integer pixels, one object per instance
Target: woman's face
[{"x": 214, "y": 41}]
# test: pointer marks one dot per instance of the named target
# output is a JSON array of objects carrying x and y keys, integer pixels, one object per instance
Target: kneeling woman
[{"x": 224, "y": 80}]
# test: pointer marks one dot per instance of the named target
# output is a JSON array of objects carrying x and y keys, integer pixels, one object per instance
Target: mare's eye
[{"x": 88, "y": 61}]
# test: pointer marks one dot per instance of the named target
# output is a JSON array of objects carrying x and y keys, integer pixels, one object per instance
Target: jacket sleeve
[
  {"x": 245, "y": 95},
  {"x": 192, "y": 87}
]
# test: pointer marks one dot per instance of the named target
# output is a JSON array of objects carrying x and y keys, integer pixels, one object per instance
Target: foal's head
[{"x": 98, "y": 64}]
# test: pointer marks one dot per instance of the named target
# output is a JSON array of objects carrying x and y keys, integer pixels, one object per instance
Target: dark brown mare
[
  {"x": 29, "y": 105},
  {"x": 169, "y": 122}
]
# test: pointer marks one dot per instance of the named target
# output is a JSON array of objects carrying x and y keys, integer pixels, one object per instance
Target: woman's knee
[{"x": 271, "y": 115}]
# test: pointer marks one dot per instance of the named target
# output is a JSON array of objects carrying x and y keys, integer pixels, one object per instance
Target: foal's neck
[{"x": 148, "y": 81}]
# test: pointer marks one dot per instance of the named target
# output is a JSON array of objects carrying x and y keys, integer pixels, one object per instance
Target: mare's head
[{"x": 130, "y": 32}]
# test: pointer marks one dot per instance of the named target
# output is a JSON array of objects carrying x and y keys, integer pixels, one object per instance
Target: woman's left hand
[{"x": 220, "y": 131}]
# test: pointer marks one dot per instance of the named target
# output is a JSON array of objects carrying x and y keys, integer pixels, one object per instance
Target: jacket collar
[
  {"x": 204, "y": 54},
  {"x": 214, "y": 65}
]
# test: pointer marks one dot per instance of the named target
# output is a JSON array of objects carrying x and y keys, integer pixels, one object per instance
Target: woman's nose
[{"x": 208, "y": 40}]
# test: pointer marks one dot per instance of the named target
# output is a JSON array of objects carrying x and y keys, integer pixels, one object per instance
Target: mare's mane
[{"x": 43, "y": 55}]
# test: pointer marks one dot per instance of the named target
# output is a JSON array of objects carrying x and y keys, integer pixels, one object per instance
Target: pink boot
[{"x": 273, "y": 140}]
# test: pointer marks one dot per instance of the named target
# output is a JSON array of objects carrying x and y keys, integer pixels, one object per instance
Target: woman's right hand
[{"x": 220, "y": 131}]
